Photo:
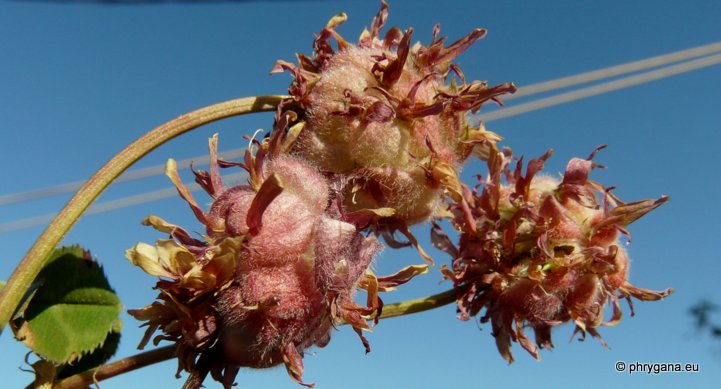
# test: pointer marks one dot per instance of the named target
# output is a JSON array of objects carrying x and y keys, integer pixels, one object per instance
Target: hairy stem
[
  {"x": 82, "y": 380},
  {"x": 38, "y": 254}
]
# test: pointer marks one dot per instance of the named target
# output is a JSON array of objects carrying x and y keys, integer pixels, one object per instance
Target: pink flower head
[
  {"x": 537, "y": 252},
  {"x": 276, "y": 271},
  {"x": 380, "y": 115}
]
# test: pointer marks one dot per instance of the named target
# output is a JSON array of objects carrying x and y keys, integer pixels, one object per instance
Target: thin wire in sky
[
  {"x": 602, "y": 88},
  {"x": 111, "y": 205},
  {"x": 488, "y": 117},
  {"x": 546, "y": 86},
  {"x": 130, "y": 175},
  {"x": 617, "y": 70}
]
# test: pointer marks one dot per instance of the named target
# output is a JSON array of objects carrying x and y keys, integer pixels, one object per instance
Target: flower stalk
[{"x": 37, "y": 256}]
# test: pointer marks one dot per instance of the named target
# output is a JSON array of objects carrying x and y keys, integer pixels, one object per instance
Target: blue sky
[{"x": 78, "y": 82}]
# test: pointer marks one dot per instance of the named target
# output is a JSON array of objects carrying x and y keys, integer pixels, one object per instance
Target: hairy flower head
[
  {"x": 276, "y": 270},
  {"x": 380, "y": 115},
  {"x": 536, "y": 252}
]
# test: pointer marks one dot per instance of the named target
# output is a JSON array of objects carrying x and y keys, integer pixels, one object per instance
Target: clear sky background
[{"x": 79, "y": 81}]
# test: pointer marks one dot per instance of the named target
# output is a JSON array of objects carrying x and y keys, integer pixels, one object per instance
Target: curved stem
[
  {"x": 82, "y": 380},
  {"x": 37, "y": 256},
  {"x": 419, "y": 305}
]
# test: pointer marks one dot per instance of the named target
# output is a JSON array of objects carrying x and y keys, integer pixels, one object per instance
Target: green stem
[
  {"x": 38, "y": 254},
  {"x": 82, "y": 380},
  {"x": 419, "y": 305}
]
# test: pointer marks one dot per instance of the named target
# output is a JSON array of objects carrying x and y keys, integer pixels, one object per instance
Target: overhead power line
[
  {"x": 129, "y": 175},
  {"x": 602, "y": 88},
  {"x": 112, "y": 205},
  {"x": 546, "y": 86},
  {"x": 614, "y": 71},
  {"x": 488, "y": 117}
]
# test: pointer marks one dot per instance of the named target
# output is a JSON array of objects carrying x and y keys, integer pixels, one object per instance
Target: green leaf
[
  {"x": 92, "y": 360},
  {"x": 72, "y": 311}
]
